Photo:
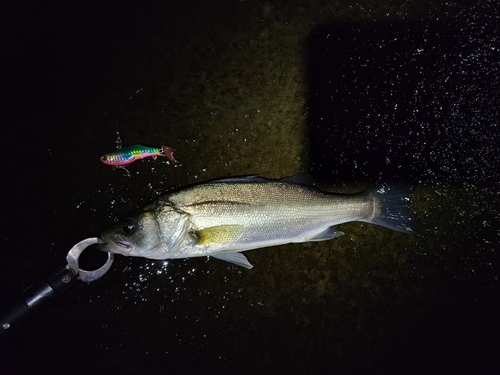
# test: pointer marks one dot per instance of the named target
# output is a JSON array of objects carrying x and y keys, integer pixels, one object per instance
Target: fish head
[{"x": 132, "y": 236}]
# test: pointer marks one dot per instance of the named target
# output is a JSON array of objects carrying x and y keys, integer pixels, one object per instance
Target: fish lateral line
[
  {"x": 223, "y": 221},
  {"x": 217, "y": 202}
]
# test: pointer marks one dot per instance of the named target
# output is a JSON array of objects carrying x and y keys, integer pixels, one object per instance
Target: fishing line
[{"x": 118, "y": 141}]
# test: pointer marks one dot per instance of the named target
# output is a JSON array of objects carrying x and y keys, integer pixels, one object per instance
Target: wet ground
[{"x": 353, "y": 93}]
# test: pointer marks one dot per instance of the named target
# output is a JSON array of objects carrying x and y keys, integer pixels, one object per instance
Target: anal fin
[
  {"x": 327, "y": 234},
  {"x": 235, "y": 258}
]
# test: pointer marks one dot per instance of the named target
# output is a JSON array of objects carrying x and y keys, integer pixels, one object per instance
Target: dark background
[
  {"x": 391, "y": 90},
  {"x": 405, "y": 99}
]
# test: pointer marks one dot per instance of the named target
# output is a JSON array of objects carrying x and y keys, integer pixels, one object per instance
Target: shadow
[{"x": 404, "y": 100}]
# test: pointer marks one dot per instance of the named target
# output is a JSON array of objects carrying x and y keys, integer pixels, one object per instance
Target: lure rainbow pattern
[{"x": 127, "y": 155}]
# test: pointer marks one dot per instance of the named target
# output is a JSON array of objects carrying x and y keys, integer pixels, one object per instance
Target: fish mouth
[{"x": 116, "y": 247}]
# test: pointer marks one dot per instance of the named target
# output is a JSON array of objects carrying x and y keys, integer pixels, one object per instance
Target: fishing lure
[{"x": 127, "y": 155}]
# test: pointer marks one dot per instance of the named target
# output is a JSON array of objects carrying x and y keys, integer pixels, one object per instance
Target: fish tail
[{"x": 392, "y": 207}]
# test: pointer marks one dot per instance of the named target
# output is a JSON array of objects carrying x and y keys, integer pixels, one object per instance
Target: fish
[
  {"x": 225, "y": 217},
  {"x": 127, "y": 155}
]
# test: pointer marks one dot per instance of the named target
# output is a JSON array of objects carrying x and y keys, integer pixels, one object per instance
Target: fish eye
[{"x": 128, "y": 228}]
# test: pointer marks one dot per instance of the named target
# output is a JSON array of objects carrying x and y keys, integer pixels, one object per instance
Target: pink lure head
[{"x": 115, "y": 161}]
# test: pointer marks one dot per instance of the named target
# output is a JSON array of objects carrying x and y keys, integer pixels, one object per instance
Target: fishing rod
[{"x": 40, "y": 295}]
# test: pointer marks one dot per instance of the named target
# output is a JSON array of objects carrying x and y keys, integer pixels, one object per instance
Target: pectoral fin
[
  {"x": 235, "y": 258},
  {"x": 216, "y": 235}
]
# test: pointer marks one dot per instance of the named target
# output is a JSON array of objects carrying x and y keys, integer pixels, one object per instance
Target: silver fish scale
[
  {"x": 269, "y": 213},
  {"x": 229, "y": 216}
]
